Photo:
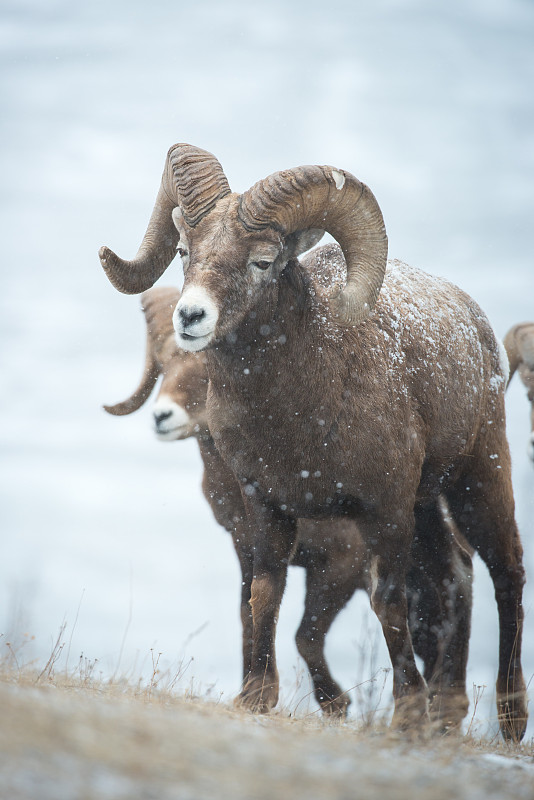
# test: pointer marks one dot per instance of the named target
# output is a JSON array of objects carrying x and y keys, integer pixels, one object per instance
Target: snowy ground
[
  {"x": 60, "y": 743},
  {"x": 105, "y": 528}
]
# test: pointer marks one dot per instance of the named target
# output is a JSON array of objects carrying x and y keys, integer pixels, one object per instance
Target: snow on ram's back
[{"x": 107, "y": 529}]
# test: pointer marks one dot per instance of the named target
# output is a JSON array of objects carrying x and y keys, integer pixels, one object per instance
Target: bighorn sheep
[
  {"x": 367, "y": 400},
  {"x": 519, "y": 343},
  {"x": 331, "y": 551}
]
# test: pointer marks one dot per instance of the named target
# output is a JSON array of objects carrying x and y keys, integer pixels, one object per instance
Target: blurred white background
[{"x": 104, "y": 528}]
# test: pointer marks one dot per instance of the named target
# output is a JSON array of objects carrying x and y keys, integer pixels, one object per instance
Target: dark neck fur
[{"x": 269, "y": 325}]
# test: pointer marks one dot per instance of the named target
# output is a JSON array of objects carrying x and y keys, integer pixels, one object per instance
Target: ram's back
[{"x": 428, "y": 350}]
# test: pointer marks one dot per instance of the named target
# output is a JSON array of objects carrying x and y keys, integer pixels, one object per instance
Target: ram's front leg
[
  {"x": 274, "y": 542},
  {"x": 245, "y": 556}
]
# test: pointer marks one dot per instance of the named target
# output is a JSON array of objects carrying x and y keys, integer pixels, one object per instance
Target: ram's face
[
  {"x": 180, "y": 408},
  {"x": 226, "y": 270}
]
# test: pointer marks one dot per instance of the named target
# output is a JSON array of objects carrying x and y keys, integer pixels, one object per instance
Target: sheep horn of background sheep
[
  {"x": 519, "y": 344},
  {"x": 193, "y": 179},
  {"x": 151, "y": 373},
  {"x": 335, "y": 201}
]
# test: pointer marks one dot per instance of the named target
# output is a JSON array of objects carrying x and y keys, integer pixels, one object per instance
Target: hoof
[
  {"x": 513, "y": 716},
  {"x": 259, "y": 695},
  {"x": 411, "y": 714},
  {"x": 336, "y": 708},
  {"x": 447, "y": 712}
]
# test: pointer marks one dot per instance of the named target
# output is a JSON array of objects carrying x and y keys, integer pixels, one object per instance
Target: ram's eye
[
  {"x": 181, "y": 251},
  {"x": 262, "y": 264}
]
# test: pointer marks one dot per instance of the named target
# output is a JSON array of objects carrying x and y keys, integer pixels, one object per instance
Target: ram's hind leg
[
  {"x": 439, "y": 586},
  {"x": 327, "y": 592},
  {"x": 389, "y": 546},
  {"x": 482, "y": 505}
]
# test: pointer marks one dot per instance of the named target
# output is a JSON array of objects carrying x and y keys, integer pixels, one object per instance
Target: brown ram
[
  {"x": 331, "y": 551},
  {"x": 368, "y": 400}
]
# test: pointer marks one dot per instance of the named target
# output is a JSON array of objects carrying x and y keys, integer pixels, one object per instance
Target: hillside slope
[{"x": 61, "y": 741}]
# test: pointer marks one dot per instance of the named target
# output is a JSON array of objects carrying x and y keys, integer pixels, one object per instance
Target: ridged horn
[
  {"x": 333, "y": 200},
  {"x": 526, "y": 344},
  {"x": 143, "y": 391},
  {"x": 158, "y": 305},
  {"x": 193, "y": 180}
]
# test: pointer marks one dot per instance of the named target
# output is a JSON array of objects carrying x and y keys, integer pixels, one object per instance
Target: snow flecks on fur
[
  {"x": 416, "y": 319},
  {"x": 415, "y": 305},
  {"x": 496, "y": 382},
  {"x": 328, "y": 272}
]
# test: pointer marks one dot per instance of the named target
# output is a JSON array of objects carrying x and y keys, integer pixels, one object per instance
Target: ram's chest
[
  {"x": 305, "y": 462},
  {"x": 262, "y": 433}
]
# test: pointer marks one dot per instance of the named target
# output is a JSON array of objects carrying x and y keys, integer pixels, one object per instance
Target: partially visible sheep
[
  {"x": 519, "y": 343},
  {"x": 180, "y": 410},
  {"x": 332, "y": 552}
]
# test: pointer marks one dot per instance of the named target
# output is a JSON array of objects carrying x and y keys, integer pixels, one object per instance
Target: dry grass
[{"x": 70, "y": 734}]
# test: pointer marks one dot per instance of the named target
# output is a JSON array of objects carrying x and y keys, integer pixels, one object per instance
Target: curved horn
[
  {"x": 143, "y": 391},
  {"x": 519, "y": 345},
  {"x": 526, "y": 343},
  {"x": 510, "y": 345},
  {"x": 335, "y": 201},
  {"x": 192, "y": 179},
  {"x": 158, "y": 305}
]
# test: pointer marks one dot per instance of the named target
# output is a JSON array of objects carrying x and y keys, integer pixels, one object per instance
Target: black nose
[
  {"x": 159, "y": 416},
  {"x": 191, "y": 315}
]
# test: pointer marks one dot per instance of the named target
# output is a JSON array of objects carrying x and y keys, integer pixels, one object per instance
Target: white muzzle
[
  {"x": 194, "y": 319},
  {"x": 171, "y": 421}
]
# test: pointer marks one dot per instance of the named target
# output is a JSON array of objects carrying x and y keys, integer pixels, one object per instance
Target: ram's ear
[
  {"x": 301, "y": 241},
  {"x": 177, "y": 217}
]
